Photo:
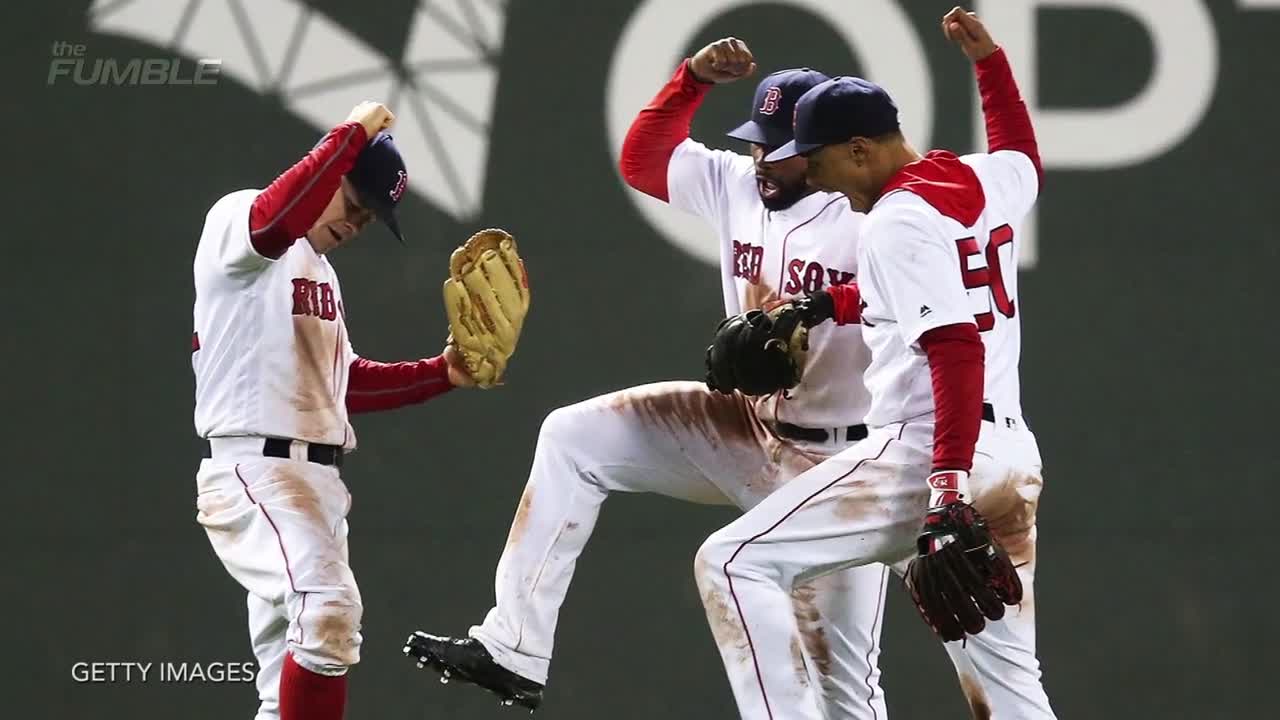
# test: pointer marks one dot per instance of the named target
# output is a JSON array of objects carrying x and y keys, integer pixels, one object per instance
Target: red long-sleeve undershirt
[
  {"x": 955, "y": 354},
  {"x": 657, "y": 130},
  {"x": 1008, "y": 122},
  {"x": 374, "y": 386},
  {"x": 290, "y": 205}
]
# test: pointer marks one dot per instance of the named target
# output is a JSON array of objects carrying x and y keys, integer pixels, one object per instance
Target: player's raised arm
[
  {"x": 1008, "y": 122},
  {"x": 664, "y": 123},
  {"x": 291, "y": 204}
]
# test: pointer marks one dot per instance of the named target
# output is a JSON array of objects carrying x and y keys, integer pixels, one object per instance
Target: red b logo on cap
[
  {"x": 770, "y": 104},
  {"x": 398, "y": 190}
]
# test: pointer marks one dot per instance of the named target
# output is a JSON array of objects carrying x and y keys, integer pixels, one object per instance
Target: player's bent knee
[
  {"x": 709, "y": 561},
  {"x": 561, "y": 425},
  {"x": 329, "y": 634}
]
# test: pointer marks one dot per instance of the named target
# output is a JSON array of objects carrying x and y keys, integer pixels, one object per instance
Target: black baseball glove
[
  {"x": 961, "y": 574},
  {"x": 759, "y": 353}
]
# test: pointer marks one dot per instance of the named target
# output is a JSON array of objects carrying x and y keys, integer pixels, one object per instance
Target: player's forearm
[
  {"x": 955, "y": 355},
  {"x": 374, "y": 386},
  {"x": 654, "y": 134},
  {"x": 289, "y": 206},
  {"x": 1008, "y": 122}
]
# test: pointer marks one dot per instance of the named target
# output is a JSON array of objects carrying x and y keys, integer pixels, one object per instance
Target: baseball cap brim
[
  {"x": 752, "y": 132},
  {"x": 791, "y": 150},
  {"x": 385, "y": 212},
  {"x": 393, "y": 224}
]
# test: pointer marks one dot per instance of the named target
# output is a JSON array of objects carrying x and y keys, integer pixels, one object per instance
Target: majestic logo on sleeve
[
  {"x": 442, "y": 87},
  {"x": 771, "y": 98}
]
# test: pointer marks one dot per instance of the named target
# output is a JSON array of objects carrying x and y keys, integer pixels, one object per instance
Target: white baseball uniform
[
  {"x": 919, "y": 270},
  {"x": 271, "y": 359},
  {"x": 681, "y": 440}
]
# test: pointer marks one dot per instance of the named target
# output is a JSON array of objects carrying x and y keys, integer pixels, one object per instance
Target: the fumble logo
[{"x": 771, "y": 98}]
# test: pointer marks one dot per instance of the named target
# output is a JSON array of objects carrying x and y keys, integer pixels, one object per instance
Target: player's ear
[{"x": 857, "y": 149}]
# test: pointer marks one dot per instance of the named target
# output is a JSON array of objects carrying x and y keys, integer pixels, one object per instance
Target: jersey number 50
[{"x": 990, "y": 276}]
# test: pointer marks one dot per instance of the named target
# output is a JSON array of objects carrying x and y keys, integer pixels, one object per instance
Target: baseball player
[
  {"x": 778, "y": 239},
  {"x": 276, "y": 378},
  {"x": 937, "y": 298}
]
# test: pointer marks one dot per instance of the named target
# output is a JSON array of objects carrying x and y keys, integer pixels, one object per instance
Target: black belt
[
  {"x": 852, "y": 433},
  {"x": 817, "y": 435},
  {"x": 279, "y": 448}
]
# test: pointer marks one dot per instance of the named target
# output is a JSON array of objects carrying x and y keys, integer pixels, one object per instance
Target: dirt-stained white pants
[
  {"x": 279, "y": 527},
  {"x": 866, "y": 505},
  {"x": 680, "y": 440}
]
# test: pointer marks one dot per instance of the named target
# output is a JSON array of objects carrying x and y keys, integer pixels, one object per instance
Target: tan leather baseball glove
[{"x": 486, "y": 298}]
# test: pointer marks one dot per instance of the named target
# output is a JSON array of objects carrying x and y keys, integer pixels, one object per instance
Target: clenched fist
[
  {"x": 723, "y": 61},
  {"x": 373, "y": 116},
  {"x": 966, "y": 30}
]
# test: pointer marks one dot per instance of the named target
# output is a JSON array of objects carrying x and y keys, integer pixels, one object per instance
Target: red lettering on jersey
[
  {"x": 812, "y": 278},
  {"x": 328, "y": 310},
  {"x": 313, "y": 298},
  {"x": 793, "y": 285},
  {"x": 807, "y": 276},
  {"x": 990, "y": 277},
  {"x": 838, "y": 277},
  {"x": 747, "y": 259},
  {"x": 302, "y": 296},
  {"x": 757, "y": 259}
]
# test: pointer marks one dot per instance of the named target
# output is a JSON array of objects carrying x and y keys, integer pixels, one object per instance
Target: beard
[{"x": 776, "y": 195}]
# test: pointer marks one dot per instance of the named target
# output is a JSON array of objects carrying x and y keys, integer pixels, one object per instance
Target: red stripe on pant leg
[
  {"x": 280, "y": 542},
  {"x": 884, "y": 578},
  {"x": 741, "y": 617}
]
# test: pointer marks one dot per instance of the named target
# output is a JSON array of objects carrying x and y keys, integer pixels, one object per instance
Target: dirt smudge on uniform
[
  {"x": 809, "y": 620},
  {"x": 314, "y": 352},
  {"x": 296, "y": 492},
  {"x": 979, "y": 706},
  {"x": 720, "y": 419},
  {"x": 797, "y": 662},
  {"x": 521, "y": 520},
  {"x": 856, "y": 502},
  {"x": 726, "y": 625},
  {"x": 335, "y": 629},
  {"x": 1010, "y": 510}
]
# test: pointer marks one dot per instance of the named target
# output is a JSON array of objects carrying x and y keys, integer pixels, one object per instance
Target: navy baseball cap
[
  {"x": 380, "y": 179},
  {"x": 837, "y": 110},
  {"x": 773, "y": 107}
]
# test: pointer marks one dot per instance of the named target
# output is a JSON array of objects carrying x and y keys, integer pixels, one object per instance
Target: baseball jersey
[
  {"x": 766, "y": 255},
  {"x": 271, "y": 353},
  {"x": 923, "y": 269}
]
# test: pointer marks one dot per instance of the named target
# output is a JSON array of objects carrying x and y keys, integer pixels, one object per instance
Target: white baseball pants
[
  {"x": 866, "y": 505},
  {"x": 279, "y": 527},
  {"x": 680, "y": 440}
]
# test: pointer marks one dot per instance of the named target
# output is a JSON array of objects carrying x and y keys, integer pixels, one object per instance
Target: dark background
[{"x": 1150, "y": 376}]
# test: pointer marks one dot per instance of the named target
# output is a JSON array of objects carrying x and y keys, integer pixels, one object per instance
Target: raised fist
[
  {"x": 966, "y": 30},
  {"x": 723, "y": 61},
  {"x": 373, "y": 116}
]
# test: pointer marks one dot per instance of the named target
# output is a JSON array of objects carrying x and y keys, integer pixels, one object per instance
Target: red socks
[{"x": 305, "y": 695}]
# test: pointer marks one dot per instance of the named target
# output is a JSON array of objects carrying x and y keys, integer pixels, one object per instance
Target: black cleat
[{"x": 467, "y": 660}]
